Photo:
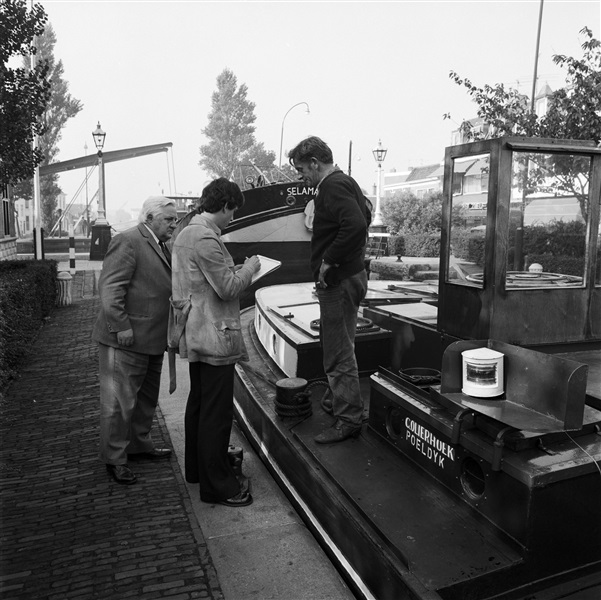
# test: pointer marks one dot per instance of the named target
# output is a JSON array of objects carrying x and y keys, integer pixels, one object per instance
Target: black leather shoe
[
  {"x": 240, "y": 499},
  {"x": 153, "y": 454},
  {"x": 122, "y": 474}
]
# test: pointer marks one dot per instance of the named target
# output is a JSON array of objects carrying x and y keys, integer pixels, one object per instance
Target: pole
[
  {"x": 71, "y": 249},
  {"x": 282, "y": 132},
  {"x": 534, "y": 77},
  {"x": 101, "y": 197},
  {"x": 377, "y": 222},
  {"x": 350, "y": 155},
  {"x": 37, "y": 212},
  {"x": 281, "y": 142},
  {"x": 37, "y": 209}
]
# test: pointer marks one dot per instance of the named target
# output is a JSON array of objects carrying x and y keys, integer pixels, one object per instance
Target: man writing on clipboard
[
  {"x": 204, "y": 327},
  {"x": 340, "y": 225}
]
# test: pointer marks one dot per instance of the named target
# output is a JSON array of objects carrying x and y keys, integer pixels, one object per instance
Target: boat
[
  {"x": 477, "y": 474},
  {"x": 272, "y": 223}
]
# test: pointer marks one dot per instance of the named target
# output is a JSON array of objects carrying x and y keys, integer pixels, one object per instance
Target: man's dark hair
[
  {"x": 219, "y": 193},
  {"x": 311, "y": 147}
]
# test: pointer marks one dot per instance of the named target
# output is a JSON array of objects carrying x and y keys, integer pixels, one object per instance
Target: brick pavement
[{"x": 68, "y": 530}]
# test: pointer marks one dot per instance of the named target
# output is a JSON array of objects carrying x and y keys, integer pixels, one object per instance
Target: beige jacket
[{"x": 204, "y": 324}]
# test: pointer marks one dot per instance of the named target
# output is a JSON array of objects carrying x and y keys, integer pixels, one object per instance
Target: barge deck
[{"x": 390, "y": 529}]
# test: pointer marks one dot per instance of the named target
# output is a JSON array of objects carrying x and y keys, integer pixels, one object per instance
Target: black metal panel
[{"x": 526, "y": 499}]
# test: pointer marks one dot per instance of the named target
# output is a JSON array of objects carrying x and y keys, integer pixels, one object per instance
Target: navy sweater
[{"x": 339, "y": 228}]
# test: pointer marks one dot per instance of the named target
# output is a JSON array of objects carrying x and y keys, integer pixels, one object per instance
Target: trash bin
[{"x": 64, "y": 284}]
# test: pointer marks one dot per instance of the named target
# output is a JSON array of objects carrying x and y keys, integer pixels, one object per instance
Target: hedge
[
  {"x": 27, "y": 297},
  {"x": 422, "y": 244},
  {"x": 397, "y": 271},
  {"x": 566, "y": 265}
]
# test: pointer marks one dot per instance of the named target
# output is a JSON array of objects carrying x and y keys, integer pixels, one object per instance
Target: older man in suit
[{"x": 131, "y": 331}]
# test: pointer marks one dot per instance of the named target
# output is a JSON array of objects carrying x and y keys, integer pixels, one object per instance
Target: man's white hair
[{"x": 152, "y": 206}]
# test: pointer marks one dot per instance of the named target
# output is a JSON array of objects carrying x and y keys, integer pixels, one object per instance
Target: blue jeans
[
  {"x": 129, "y": 394},
  {"x": 338, "y": 307}
]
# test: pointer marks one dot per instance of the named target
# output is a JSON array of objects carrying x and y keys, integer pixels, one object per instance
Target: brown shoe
[
  {"x": 338, "y": 433},
  {"x": 122, "y": 474}
]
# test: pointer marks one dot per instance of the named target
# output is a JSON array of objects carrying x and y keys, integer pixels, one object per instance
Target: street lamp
[
  {"x": 101, "y": 230},
  {"x": 282, "y": 135},
  {"x": 99, "y": 136},
  {"x": 379, "y": 154}
]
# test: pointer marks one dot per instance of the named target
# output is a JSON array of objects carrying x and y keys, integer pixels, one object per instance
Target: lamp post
[
  {"x": 379, "y": 154},
  {"x": 101, "y": 230},
  {"x": 282, "y": 135},
  {"x": 99, "y": 136}
]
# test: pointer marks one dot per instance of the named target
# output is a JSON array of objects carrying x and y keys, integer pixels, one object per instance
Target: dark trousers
[{"x": 208, "y": 424}]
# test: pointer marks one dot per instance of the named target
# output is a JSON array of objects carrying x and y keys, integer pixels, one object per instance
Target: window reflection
[
  {"x": 548, "y": 220},
  {"x": 468, "y": 217}
]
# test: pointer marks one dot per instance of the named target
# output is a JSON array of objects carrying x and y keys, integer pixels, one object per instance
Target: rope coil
[
  {"x": 298, "y": 405},
  {"x": 363, "y": 324}
]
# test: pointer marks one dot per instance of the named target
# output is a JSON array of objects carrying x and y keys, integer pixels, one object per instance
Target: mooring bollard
[{"x": 64, "y": 284}]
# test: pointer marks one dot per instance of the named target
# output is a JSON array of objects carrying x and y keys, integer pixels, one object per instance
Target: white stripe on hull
[{"x": 287, "y": 228}]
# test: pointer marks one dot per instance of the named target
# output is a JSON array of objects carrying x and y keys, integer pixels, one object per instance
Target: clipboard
[{"x": 267, "y": 266}]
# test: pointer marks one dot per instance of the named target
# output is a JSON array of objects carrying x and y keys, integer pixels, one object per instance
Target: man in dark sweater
[{"x": 340, "y": 226}]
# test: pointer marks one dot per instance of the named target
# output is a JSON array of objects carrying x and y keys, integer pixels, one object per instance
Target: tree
[
  {"x": 231, "y": 132},
  {"x": 404, "y": 213},
  {"x": 61, "y": 107},
  {"x": 24, "y": 94},
  {"x": 574, "y": 112}
]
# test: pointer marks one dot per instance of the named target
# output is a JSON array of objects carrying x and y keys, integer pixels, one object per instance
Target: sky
[{"x": 369, "y": 71}]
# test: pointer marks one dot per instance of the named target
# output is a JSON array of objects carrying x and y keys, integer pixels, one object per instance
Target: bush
[
  {"x": 396, "y": 245},
  {"x": 396, "y": 271},
  {"x": 559, "y": 238},
  {"x": 405, "y": 213},
  {"x": 27, "y": 297},
  {"x": 422, "y": 244},
  {"x": 468, "y": 246},
  {"x": 558, "y": 246},
  {"x": 475, "y": 250}
]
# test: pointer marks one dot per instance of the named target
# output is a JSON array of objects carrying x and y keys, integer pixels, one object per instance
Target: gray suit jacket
[{"x": 134, "y": 288}]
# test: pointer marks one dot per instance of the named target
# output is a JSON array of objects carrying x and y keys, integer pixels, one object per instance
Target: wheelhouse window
[
  {"x": 548, "y": 220},
  {"x": 465, "y": 265}
]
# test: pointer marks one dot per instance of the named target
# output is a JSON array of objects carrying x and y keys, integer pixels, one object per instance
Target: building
[
  {"x": 8, "y": 237},
  {"x": 470, "y": 184},
  {"x": 24, "y": 220},
  {"x": 419, "y": 180}
]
